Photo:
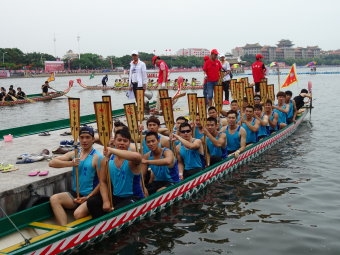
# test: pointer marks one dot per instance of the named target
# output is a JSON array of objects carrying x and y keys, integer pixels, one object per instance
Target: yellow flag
[{"x": 51, "y": 78}]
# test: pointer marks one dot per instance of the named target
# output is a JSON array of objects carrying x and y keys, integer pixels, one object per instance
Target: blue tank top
[
  {"x": 233, "y": 140},
  {"x": 216, "y": 151},
  {"x": 290, "y": 114},
  {"x": 282, "y": 116},
  {"x": 198, "y": 135},
  {"x": 87, "y": 174},
  {"x": 191, "y": 158},
  {"x": 125, "y": 183},
  {"x": 262, "y": 130},
  {"x": 270, "y": 129},
  {"x": 251, "y": 136},
  {"x": 164, "y": 173}
]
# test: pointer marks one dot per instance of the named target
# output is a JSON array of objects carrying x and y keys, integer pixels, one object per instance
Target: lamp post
[
  {"x": 78, "y": 39},
  {"x": 3, "y": 58}
]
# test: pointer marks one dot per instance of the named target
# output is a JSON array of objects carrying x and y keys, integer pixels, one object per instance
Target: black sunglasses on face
[{"x": 185, "y": 131}]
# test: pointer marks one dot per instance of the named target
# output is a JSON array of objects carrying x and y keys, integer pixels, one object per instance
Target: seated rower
[
  {"x": 281, "y": 109},
  {"x": 263, "y": 118},
  {"x": 299, "y": 100},
  {"x": 45, "y": 88},
  {"x": 2, "y": 94},
  {"x": 272, "y": 117},
  {"x": 215, "y": 141},
  {"x": 88, "y": 163},
  {"x": 20, "y": 94},
  {"x": 190, "y": 153},
  {"x": 291, "y": 115},
  {"x": 250, "y": 124},
  {"x": 198, "y": 128},
  {"x": 164, "y": 170},
  {"x": 125, "y": 177},
  {"x": 236, "y": 135}
]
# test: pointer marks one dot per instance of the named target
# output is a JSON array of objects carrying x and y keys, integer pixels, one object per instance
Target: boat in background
[
  {"x": 32, "y": 98},
  {"x": 33, "y": 231}
]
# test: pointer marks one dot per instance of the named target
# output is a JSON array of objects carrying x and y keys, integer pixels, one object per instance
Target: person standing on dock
[
  {"x": 87, "y": 162},
  {"x": 104, "y": 80},
  {"x": 211, "y": 68},
  {"x": 226, "y": 78},
  {"x": 258, "y": 70},
  {"x": 137, "y": 74}
]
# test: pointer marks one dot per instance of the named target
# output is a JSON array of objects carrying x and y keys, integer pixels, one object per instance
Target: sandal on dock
[{"x": 44, "y": 134}]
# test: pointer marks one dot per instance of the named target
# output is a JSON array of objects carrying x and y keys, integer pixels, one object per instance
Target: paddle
[
  {"x": 13, "y": 98},
  {"x": 29, "y": 99},
  {"x": 103, "y": 116},
  {"x": 74, "y": 112},
  {"x": 202, "y": 112},
  {"x": 310, "y": 85}
]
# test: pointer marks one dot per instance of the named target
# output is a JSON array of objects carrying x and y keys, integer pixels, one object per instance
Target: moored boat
[
  {"x": 152, "y": 85},
  {"x": 41, "y": 236},
  {"x": 32, "y": 98}
]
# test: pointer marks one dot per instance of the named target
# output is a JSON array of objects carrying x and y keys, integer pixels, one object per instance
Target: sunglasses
[{"x": 185, "y": 131}]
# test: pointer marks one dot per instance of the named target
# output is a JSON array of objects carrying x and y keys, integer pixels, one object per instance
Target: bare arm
[
  {"x": 65, "y": 160},
  {"x": 168, "y": 160},
  {"x": 195, "y": 145},
  {"x": 220, "y": 142},
  {"x": 180, "y": 163}
]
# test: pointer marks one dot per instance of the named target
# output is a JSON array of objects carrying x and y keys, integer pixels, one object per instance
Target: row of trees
[{"x": 15, "y": 59}]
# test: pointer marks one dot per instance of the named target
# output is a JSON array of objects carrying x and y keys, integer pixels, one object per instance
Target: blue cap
[{"x": 86, "y": 130}]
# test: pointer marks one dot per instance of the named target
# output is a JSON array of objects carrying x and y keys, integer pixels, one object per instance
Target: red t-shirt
[
  {"x": 212, "y": 68},
  {"x": 162, "y": 66},
  {"x": 258, "y": 70}
]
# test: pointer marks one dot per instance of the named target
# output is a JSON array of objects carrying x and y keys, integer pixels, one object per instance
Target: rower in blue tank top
[
  {"x": 87, "y": 161},
  {"x": 250, "y": 124},
  {"x": 272, "y": 116},
  {"x": 125, "y": 177},
  {"x": 153, "y": 124},
  {"x": 236, "y": 135},
  {"x": 281, "y": 109},
  {"x": 263, "y": 119},
  {"x": 216, "y": 141},
  {"x": 291, "y": 115},
  {"x": 161, "y": 162},
  {"x": 189, "y": 152}
]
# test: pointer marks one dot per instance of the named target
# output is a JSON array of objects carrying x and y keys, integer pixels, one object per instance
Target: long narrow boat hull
[
  {"x": 37, "y": 98},
  {"x": 82, "y": 233}
]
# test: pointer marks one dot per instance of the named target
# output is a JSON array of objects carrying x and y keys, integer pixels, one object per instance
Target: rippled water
[{"x": 284, "y": 202}]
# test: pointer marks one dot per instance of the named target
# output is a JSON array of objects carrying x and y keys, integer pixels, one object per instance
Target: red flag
[{"x": 291, "y": 77}]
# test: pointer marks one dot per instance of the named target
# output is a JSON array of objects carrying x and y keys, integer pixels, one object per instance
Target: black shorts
[
  {"x": 156, "y": 185},
  {"x": 257, "y": 86},
  {"x": 190, "y": 172}
]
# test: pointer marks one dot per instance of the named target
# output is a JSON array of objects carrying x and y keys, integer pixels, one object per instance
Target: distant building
[
  {"x": 197, "y": 52},
  {"x": 283, "y": 50},
  {"x": 54, "y": 66}
]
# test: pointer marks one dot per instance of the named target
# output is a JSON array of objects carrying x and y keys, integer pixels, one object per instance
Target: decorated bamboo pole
[
  {"x": 202, "y": 112},
  {"x": 192, "y": 104},
  {"x": 140, "y": 113},
  {"x": 102, "y": 111},
  {"x": 74, "y": 111}
]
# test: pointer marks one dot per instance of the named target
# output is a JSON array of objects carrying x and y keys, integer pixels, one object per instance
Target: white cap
[{"x": 134, "y": 52}]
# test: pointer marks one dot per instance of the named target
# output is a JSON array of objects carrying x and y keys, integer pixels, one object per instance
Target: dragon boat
[
  {"x": 33, "y": 230},
  {"x": 33, "y": 98}
]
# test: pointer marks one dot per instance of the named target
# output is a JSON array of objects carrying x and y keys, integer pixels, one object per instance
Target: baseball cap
[
  {"x": 154, "y": 58},
  {"x": 214, "y": 51},
  {"x": 258, "y": 56},
  {"x": 134, "y": 52},
  {"x": 86, "y": 130}
]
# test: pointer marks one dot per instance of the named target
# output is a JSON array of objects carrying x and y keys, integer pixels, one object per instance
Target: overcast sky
[{"x": 111, "y": 27}]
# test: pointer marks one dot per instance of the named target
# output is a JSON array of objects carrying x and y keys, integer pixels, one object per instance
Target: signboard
[
  {"x": 4, "y": 74},
  {"x": 54, "y": 66}
]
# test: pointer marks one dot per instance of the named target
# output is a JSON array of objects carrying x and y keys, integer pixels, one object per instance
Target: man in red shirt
[
  {"x": 258, "y": 70},
  {"x": 211, "y": 68},
  {"x": 163, "y": 70}
]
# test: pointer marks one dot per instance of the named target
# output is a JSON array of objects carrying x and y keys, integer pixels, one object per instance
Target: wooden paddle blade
[
  {"x": 263, "y": 91},
  {"x": 102, "y": 110},
  {"x": 218, "y": 97},
  {"x": 140, "y": 104},
  {"x": 131, "y": 118},
  {"x": 192, "y": 104},
  {"x": 271, "y": 93},
  {"x": 166, "y": 104},
  {"x": 202, "y": 110},
  {"x": 250, "y": 95},
  {"x": 163, "y": 93},
  {"x": 74, "y": 111},
  {"x": 108, "y": 99}
]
